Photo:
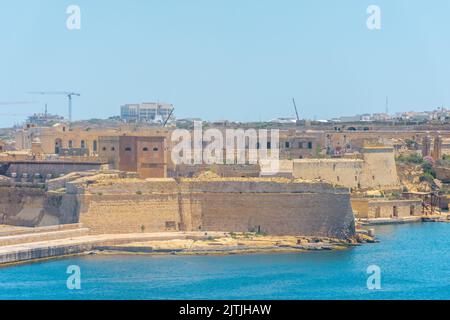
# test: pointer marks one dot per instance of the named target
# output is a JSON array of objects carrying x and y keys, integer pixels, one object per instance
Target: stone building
[
  {"x": 60, "y": 136},
  {"x": 145, "y": 112},
  {"x": 145, "y": 155},
  {"x": 296, "y": 144},
  {"x": 370, "y": 208}
]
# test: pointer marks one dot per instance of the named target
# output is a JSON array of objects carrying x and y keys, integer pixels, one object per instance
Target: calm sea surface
[{"x": 414, "y": 261}]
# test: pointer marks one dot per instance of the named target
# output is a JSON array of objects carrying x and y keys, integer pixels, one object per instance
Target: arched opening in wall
[
  {"x": 155, "y": 149},
  {"x": 145, "y": 149},
  {"x": 58, "y": 145},
  {"x": 338, "y": 179},
  {"x": 94, "y": 146},
  {"x": 411, "y": 210},
  {"x": 70, "y": 144},
  {"x": 83, "y": 144}
]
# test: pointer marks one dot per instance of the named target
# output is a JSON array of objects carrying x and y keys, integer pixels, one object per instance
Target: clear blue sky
[{"x": 234, "y": 59}]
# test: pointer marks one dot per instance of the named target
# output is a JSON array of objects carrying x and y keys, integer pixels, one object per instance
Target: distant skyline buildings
[
  {"x": 146, "y": 112},
  {"x": 236, "y": 60}
]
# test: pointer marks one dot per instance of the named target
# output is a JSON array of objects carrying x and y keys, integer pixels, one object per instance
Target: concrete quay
[
  {"x": 401, "y": 220},
  {"x": 24, "y": 252}
]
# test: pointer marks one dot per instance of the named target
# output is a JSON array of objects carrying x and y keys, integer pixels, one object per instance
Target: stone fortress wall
[
  {"x": 34, "y": 207},
  {"x": 230, "y": 205},
  {"x": 375, "y": 170}
]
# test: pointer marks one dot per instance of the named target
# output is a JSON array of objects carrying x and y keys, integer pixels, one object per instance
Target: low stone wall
[
  {"x": 49, "y": 168},
  {"x": 222, "y": 170}
]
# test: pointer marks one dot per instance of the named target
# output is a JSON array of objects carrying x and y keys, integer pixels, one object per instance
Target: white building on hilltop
[{"x": 145, "y": 112}]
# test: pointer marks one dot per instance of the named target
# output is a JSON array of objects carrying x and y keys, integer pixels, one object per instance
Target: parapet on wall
[{"x": 229, "y": 205}]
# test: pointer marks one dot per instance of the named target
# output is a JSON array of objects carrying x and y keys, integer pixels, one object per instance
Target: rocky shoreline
[
  {"x": 237, "y": 243},
  {"x": 20, "y": 245}
]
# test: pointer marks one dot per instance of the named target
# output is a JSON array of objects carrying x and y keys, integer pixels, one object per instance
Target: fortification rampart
[
  {"x": 239, "y": 205},
  {"x": 32, "y": 207},
  {"x": 377, "y": 169}
]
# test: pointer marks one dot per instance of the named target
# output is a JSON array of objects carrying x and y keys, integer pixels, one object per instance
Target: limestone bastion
[{"x": 118, "y": 202}]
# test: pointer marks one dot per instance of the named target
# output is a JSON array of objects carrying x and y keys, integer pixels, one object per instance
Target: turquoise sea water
[{"x": 414, "y": 261}]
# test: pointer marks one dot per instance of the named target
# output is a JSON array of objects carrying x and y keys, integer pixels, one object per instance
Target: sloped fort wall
[
  {"x": 33, "y": 207},
  {"x": 233, "y": 205}
]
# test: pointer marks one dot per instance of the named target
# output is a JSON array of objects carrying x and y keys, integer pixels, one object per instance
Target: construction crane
[
  {"x": 65, "y": 93},
  {"x": 14, "y": 103},
  {"x": 170, "y": 114},
  {"x": 296, "y": 112}
]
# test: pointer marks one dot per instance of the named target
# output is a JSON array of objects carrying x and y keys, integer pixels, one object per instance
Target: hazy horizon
[{"x": 235, "y": 60}]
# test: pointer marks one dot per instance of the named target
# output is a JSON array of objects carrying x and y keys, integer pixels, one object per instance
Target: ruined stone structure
[
  {"x": 367, "y": 208},
  {"x": 376, "y": 169}
]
